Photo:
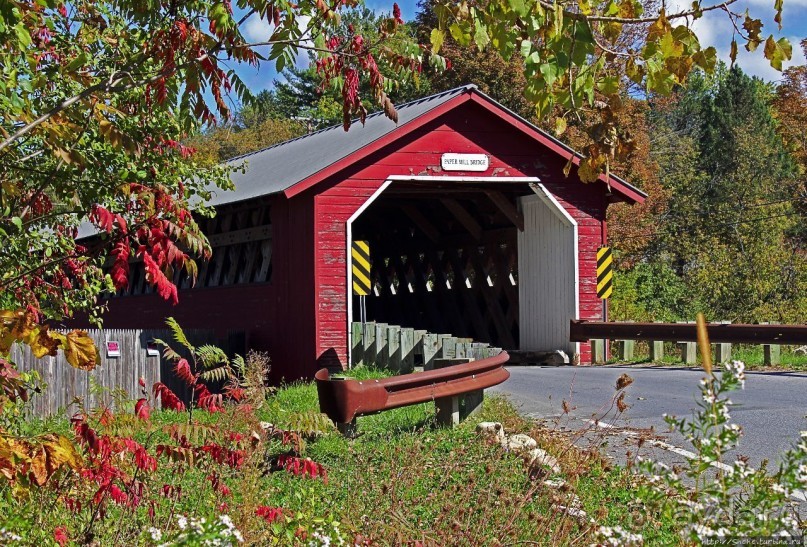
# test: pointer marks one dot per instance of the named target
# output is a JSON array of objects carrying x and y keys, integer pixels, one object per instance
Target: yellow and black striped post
[
  {"x": 360, "y": 253},
  {"x": 605, "y": 272}
]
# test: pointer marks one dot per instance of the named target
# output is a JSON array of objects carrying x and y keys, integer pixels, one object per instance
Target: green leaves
[
  {"x": 437, "y": 38},
  {"x": 777, "y": 51}
]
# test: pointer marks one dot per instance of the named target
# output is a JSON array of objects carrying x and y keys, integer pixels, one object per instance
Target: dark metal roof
[{"x": 279, "y": 167}]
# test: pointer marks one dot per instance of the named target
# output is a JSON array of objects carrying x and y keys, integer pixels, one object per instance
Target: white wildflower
[
  {"x": 802, "y": 474},
  {"x": 618, "y": 536},
  {"x": 779, "y": 489},
  {"x": 182, "y": 522},
  {"x": 155, "y": 533},
  {"x": 5, "y": 535},
  {"x": 737, "y": 370}
]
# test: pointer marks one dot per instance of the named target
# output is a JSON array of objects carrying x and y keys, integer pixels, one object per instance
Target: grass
[
  {"x": 401, "y": 481},
  {"x": 448, "y": 486}
]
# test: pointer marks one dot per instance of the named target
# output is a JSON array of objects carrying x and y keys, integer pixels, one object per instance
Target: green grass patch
[{"x": 402, "y": 480}]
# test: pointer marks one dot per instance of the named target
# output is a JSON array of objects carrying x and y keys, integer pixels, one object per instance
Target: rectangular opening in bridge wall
[{"x": 240, "y": 237}]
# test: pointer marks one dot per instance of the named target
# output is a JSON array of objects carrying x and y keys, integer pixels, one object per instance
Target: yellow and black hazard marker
[
  {"x": 360, "y": 253},
  {"x": 605, "y": 274}
]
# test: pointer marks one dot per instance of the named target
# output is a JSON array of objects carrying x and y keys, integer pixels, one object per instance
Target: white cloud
[
  {"x": 757, "y": 65},
  {"x": 256, "y": 29}
]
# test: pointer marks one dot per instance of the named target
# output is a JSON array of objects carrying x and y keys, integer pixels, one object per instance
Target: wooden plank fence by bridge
[
  {"x": 401, "y": 349},
  {"x": 65, "y": 383}
]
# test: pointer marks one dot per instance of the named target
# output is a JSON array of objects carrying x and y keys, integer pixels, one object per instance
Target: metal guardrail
[
  {"x": 582, "y": 331},
  {"x": 344, "y": 399}
]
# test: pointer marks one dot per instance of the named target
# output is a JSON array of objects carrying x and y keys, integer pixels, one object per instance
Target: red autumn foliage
[
  {"x": 302, "y": 467},
  {"x": 168, "y": 398},
  {"x": 154, "y": 275},
  {"x": 183, "y": 371},
  {"x": 269, "y": 514},
  {"x": 60, "y": 536},
  {"x": 120, "y": 265},
  {"x": 142, "y": 409}
]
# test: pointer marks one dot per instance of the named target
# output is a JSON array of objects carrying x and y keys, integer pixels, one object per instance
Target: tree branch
[{"x": 632, "y": 20}]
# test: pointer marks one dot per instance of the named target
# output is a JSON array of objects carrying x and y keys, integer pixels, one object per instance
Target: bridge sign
[
  {"x": 605, "y": 272},
  {"x": 360, "y": 265}
]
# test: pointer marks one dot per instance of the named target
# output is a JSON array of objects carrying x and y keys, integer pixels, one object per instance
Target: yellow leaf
[
  {"x": 42, "y": 343},
  {"x": 560, "y": 126},
  {"x": 39, "y": 467},
  {"x": 80, "y": 350},
  {"x": 586, "y": 171}
]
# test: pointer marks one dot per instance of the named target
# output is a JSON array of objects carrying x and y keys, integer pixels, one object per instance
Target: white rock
[
  {"x": 539, "y": 456},
  {"x": 573, "y": 512},
  {"x": 801, "y": 350},
  {"x": 490, "y": 429},
  {"x": 554, "y": 483},
  {"x": 519, "y": 443}
]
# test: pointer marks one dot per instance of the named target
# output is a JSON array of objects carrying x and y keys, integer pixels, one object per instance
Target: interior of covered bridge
[{"x": 444, "y": 258}]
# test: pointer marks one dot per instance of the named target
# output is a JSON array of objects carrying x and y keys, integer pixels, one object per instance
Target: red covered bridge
[{"x": 473, "y": 229}]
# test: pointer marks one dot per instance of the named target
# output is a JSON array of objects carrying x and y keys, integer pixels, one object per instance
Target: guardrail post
[
  {"x": 449, "y": 409},
  {"x": 625, "y": 349},
  {"x": 771, "y": 353},
  {"x": 347, "y": 429},
  {"x": 689, "y": 350},
  {"x": 656, "y": 350},
  {"x": 722, "y": 353},
  {"x": 723, "y": 350},
  {"x": 598, "y": 351}
]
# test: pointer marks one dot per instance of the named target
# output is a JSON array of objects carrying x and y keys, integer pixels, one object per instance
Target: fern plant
[{"x": 206, "y": 364}]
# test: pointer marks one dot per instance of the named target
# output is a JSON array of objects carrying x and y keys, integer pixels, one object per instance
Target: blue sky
[{"x": 713, "y": 29}]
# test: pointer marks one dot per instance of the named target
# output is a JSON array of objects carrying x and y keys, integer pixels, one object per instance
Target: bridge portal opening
[{"x": 493, "y": 260}]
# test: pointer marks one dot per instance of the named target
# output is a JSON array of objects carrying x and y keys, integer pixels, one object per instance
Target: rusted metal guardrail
[
  {"x": 344, "y": 399},
  {"x": 582, "y": 331}
]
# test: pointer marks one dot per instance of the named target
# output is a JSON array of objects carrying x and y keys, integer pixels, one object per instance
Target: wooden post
[
  {"x": 598, "y": 351},
  {"x": 625, "y": 349},
  {"x": 656, "y": 350},
  {"x": 449, "y": 347},
  {"x": 689, "y": 353},
  {"x": 451, "y": 410},
  {"x": 394, "y": 348},
  {"x": 771, "y": 353},
  {"x": 357, "y": 345},
  {"x": 368, "y": 339},
  {"x": 381, "y": 334},
  {"x": 431, "y": 345},
  {"x": 407, "y": 350},
  {"x": 723, "y": 351},
  {"x": 689, "y": 350}
]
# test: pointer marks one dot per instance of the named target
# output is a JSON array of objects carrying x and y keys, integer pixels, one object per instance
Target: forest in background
[{"x": 724, "y": 230}]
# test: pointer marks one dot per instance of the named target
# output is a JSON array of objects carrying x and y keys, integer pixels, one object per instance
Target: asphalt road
[{"x": 771, "y": 409}]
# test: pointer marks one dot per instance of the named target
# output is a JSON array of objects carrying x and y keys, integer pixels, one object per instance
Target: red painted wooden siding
[
  {"x": 470, "y": 129},
  {"x": 300, "y": 316},
  {"x": 277, "y": 317}
]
